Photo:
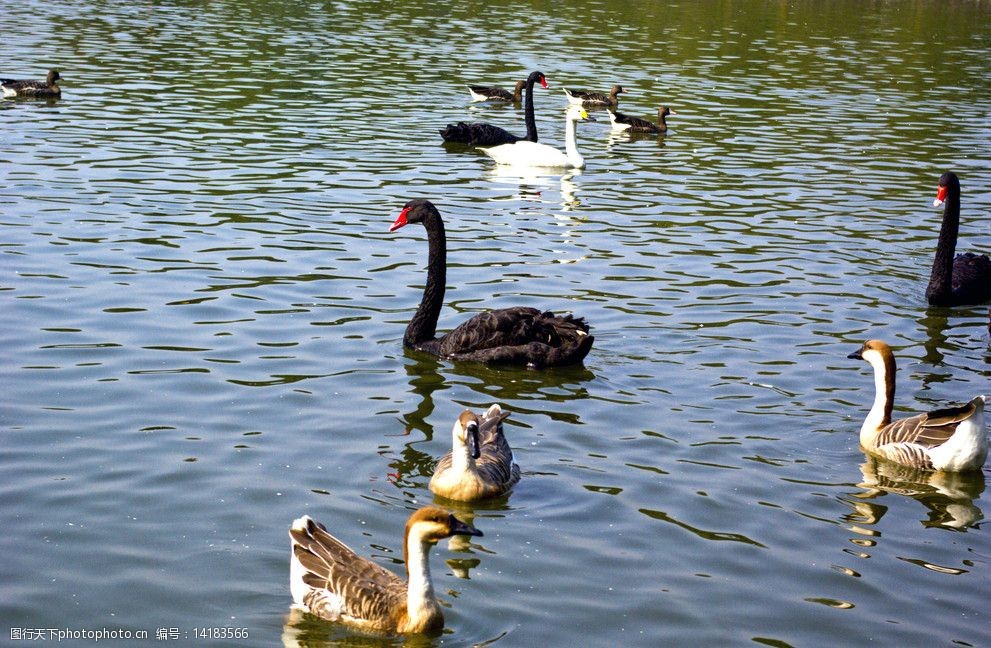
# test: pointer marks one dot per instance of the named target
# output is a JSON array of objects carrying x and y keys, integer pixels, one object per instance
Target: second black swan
[
  {"x": 519, "y": 335},
  {"x": 482, "y": 134},
  {"x": 966, "y": 278}
]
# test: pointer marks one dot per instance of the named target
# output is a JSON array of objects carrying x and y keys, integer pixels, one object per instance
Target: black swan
[
  {"x": 589, "y": 98},
  {"x": 493, "y": 93},
  {"x": 965, "y": 279},
  {"x": 46, "y": 88},
  {"x": 482, "y": 134},
  {"x": 636, "y": 125},
  {"x": 518, "y": 335}
]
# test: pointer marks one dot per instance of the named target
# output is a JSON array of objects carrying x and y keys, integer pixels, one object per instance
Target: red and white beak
[
  {"x": 543, "y": 82},
  {"x": 400, "y": 220},
  {"x": 940, "y": 197}
]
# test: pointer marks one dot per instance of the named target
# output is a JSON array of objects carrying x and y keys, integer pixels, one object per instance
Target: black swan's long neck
[
  {"x": 423, "y": 326},
  {"x": 531, "y": 123},
  {"x": 941, "y": 279}
]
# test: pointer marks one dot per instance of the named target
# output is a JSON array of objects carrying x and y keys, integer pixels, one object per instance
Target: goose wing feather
[
  {"x": 366, "y": 590},
  {"x": 496, "y": 464},
  {"x": 926, "y": 430}
]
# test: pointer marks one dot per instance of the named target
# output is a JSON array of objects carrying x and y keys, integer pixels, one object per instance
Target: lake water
[{"x": 201, "y": 312}]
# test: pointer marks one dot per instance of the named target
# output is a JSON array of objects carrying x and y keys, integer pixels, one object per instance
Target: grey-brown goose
[
  {"x": 632, "y": 124},
  {"x": 589, "y": 98},
  {"x": 330, "y": 580},
  {"x": 480, "y": 464},
  {"x": 495, "y": 93},
  {"x": 46, "y": 88},
  {"x": 951, "y": 439}
]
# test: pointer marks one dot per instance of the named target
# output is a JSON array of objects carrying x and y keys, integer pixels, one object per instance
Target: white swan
[{"x": 535, "y": 154}]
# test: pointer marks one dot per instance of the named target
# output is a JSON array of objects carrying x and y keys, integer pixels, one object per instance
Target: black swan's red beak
[
  {"x": 940, "y": 196},
  {"x": 400, "y": 220}
]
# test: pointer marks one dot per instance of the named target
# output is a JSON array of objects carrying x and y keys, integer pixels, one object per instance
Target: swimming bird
[
  {"x": 534, "y": 154},
  {"x": 590, "y": 98},
  {"x": 493, "y": 93},
  {"x": 517, "y": 335},
  {"x": 636, "y": 125},
  {"x": 482, "y": 134},
  {"x": 480, "y": 464},
  {"x": 46, "y": 88},
  {"x": 330, "y": 580},
  {"x": 965, "y": 279},
  {"x": 951, "y": 439}
]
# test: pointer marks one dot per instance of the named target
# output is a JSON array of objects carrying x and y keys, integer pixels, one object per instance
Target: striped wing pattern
[
  {"x": 345, "y": 586},
  {"x": 907, "y": 441},
  {"x": 496, "y": 465}
]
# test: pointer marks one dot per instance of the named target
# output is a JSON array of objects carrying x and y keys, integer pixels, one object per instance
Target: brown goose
[
  {"x": 480, "y": 464},
  {"x": 636, "y": 125},
  {"x": 482, "y": 134},
  {"x": 965, "y": 279},
  {"x": 951, "y": 439},
  {"x": 589, "y": 98},
  {"x": 517, "y": 335},
  {"x": 330, "y": 580},
  {"x": 46, "y": 88},
  {"x": 493, "y": 93}
]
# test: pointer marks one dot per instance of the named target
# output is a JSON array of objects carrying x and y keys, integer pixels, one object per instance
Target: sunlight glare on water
[{"x": 202, "y": 313}]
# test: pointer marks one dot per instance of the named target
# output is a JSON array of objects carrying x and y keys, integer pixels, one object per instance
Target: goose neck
[
  {"x": 884, "y": 397},
  {"x": 419, "y": 588}
]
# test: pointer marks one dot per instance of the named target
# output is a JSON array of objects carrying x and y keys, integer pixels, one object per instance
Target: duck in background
[
  {"x": 495, "y": 93},
  {"x": 41, "y": 89},
  {"x": 330, "y": 580},
  {"x": 630, "y": 124},
  {"x": 951, "y": 439},
  {"x": 589, "y": 98}
]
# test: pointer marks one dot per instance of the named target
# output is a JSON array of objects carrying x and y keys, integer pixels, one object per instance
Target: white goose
[
  {"x": 535, "y": 154},
  {"x": 480, "y": 464},
  {"x": 951, "y": 439},
  {"x": 330, "y": 580}
]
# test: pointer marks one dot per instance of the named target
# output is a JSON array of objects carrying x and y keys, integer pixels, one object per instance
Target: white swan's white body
[{"x": 535, "y": 154}]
